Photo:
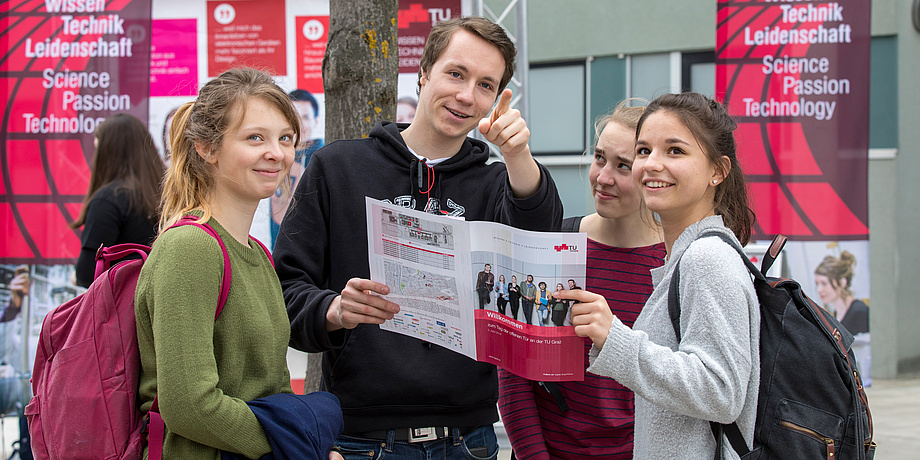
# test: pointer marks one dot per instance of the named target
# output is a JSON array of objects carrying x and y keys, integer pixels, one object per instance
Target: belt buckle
[{"x": 428, "y": 433}]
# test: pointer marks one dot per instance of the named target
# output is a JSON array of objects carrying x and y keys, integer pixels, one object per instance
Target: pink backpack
[{"x": 85, "y": 377}]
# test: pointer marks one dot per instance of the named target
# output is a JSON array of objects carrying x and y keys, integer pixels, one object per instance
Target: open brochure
[{"x": 455, "y": 284}]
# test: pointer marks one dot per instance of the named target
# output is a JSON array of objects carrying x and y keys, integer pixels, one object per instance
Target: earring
[{"x": 715, "y": 181}]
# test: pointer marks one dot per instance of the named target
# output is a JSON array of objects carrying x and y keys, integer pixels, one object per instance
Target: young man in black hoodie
[{"x": 398, "y": 393}]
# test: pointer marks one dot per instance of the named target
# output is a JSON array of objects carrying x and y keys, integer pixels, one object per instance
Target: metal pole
[{"x": 25, "y": 313}]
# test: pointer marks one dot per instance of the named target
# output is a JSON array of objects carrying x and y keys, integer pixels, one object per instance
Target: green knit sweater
[{"x": 205, "y": 370}]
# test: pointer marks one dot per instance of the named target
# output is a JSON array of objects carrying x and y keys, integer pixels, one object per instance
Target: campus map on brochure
[{"x": 446, "y": 275}]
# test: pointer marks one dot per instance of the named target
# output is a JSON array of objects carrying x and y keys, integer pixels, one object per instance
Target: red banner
[
  {"x": 65, "y": 66},
  {"x": 312, "y": 37},
  {"x": 796, "y": 77},
  {"x": 246, "y": 33},
  {"x": 414, "y": 23}
]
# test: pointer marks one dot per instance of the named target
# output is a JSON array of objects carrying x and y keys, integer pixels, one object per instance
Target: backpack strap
[
  {"x": 553, "y": 389},
  {"x": 153, "y": 423},
  {"x": 571, "y": 224},
  {"x": 731, "y": 430},
  {"x": 156, "y": 432},
  {"x": 105, "y": 256},
  {"x": 228, "y": 273},
  {"x": 758, "y": 273},
  {"x": 772, "y": 253},
  {"x": 267, "y": 252}
]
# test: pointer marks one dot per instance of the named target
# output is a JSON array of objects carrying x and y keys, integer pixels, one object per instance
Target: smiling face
[
  {"x": 459, "y": 89},
  {"x": 255, "y": 155},
  {"x": 674, "y": 175},
  {"x": 615, "y": 193}
]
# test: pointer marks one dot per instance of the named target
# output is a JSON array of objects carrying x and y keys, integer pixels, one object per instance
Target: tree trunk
[{"x": 360, "y": 70}]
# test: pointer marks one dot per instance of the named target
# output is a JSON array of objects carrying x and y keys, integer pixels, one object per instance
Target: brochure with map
[{"x": 482, "y": 289}]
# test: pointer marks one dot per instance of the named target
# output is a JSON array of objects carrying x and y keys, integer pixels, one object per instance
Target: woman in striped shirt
[{"x": 594, "y": 417}]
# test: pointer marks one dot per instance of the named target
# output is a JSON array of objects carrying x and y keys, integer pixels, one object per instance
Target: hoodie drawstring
[{"x": 425, "y": 177}]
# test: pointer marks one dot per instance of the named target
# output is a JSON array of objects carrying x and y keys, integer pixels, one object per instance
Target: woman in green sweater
[{"x": 230, "y": 148}]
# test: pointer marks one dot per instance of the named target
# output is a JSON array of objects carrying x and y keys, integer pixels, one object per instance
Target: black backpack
[{"x": 811, "y": 403}]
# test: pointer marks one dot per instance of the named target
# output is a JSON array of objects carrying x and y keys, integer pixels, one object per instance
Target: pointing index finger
[{"x": 504, "y": 103}]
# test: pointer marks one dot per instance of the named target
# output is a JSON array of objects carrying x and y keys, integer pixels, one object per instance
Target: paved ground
[{"x": 895, "y": 407}]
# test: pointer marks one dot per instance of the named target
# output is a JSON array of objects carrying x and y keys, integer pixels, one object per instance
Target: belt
[{"x": 427, "y": 433}]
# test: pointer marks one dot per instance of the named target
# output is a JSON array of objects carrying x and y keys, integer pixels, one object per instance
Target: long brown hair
[
  {"x": 713, "y": 128},
  {"x": 125, "y": 153},
  {"x": 220, "y": 106}
]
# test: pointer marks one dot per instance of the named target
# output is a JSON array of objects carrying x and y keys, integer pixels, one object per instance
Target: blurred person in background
[
  {"x": 405, "y": 109},
  {"x": 124, "y": 189}
]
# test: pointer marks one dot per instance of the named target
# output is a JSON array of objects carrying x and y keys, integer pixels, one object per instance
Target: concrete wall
[
  {"x": 560, "y": 30},
  {"x": 906, "y": 251}
]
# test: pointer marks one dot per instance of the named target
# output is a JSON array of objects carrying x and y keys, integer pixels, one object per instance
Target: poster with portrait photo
[{"x": 835, "y": 274}]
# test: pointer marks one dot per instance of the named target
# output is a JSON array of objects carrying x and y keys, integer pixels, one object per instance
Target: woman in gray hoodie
[{"x": 688, "y": 174}]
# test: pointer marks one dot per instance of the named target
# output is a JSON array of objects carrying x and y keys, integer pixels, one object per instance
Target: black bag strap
[
  {"x": 759, "y": 274},
  {"x": 735, "y": 438},
  {"x": 553, "y": 389},
  {"x": 571, "y": 224},
  {"x": 717, "y": 435},
  {"x": 772, "y": 253},
  {"x": 731, "y": 431}
]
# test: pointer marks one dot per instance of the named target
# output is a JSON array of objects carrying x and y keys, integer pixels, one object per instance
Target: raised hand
[{"x": 506, "y": 128}]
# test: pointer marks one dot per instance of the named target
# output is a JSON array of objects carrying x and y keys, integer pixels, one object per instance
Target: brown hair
[
  {"x": 713, "y": 128},
  {"x": 441, "y": 34},
  {"x": 220, "y": 107},
  {"x": 836, "y": 269},
  {"x": 125, "y": 153}
]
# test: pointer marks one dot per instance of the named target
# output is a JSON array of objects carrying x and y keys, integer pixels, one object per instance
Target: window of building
[
  {"x": 649, "y": 75},
  {"x": 557, "y": 108},
  {"x": 698, "y": 72}
]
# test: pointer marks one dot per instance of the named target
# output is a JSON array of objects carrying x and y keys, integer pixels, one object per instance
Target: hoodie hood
[
  {"x": 425, "y": 180},
  {"x": 388, "y": 133}
]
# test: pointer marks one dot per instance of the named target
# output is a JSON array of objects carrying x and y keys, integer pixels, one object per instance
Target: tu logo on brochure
[{"x": 566, "y": 248}]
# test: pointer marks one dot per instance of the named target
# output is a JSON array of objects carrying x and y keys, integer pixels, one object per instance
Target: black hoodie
[{"x": 386, "y": 380}]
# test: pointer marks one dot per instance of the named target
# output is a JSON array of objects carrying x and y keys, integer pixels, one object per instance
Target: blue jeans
[{"x": 455, "y": 447}]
